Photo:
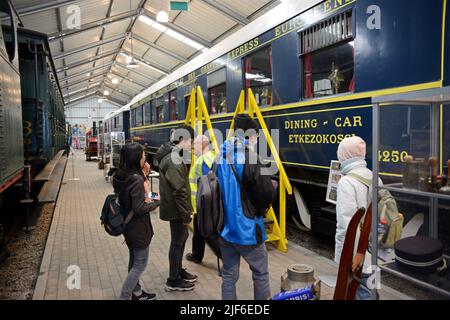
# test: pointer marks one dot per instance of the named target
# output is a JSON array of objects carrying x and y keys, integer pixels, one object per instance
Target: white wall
[{"x": 89, "y": 110}]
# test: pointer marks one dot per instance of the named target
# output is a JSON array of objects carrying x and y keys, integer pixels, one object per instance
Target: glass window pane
[
  {"x": 159, "y": 110},
  {"x": 218, "y": 99},
  {"x": 147, "y": 113},
  {"x": 258, "y": 75},
  {"x": 329, "y": 71},
  {"x": 133, "y": 118},
  {"x": 173, "y": 102},
  {"x": 139, "y": 116}
]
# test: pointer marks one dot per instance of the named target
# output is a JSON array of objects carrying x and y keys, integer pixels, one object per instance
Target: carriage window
[
  {"x": 258, "y": 75},
  {"x": 147, "y": 113},
  {"x": 139, "y": 116},
  {"x": 327, "y": 53},
  {"x": 173, "y": 102},
  {"x": 159, "y": 110},
  {"x": 218, "y": 99},
  {"x": 133, "y": 118}
]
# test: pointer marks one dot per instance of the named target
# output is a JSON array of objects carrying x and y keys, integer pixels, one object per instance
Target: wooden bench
[
  {"x": 44, "y": 174},
  {"x": 50, "y": 190}
]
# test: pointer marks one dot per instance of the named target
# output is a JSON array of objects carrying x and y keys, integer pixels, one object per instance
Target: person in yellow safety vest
[{"x": 203, "y": 164}]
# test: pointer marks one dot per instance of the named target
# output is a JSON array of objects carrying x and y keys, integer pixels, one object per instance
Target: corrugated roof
[{"x": 106, "y": 26}]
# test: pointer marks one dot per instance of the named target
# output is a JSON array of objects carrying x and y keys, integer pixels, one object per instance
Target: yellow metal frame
[
  {"x": 196, "y": 113},
  {"x": 277, "y": 231}
]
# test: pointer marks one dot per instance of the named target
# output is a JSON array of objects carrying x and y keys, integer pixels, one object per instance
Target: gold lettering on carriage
[{"x": 246, "y": 47}]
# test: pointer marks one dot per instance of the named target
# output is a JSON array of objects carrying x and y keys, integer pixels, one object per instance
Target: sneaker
[
  {"x": 144, "y": 296},
  {"x": 186, "y": 276},
  {"x": 179, "y": 285},
  {"x": 190, "y": 257}
]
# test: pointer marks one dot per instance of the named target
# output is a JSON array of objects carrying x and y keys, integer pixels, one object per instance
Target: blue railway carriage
[
  {"x": 314, "y": 69},
  {"x": 11, "y": 146}
]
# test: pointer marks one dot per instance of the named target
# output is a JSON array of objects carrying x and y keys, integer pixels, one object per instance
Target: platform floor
[{"x": 77, "y": 238}]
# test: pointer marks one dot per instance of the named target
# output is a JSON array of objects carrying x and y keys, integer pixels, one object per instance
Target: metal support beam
[
  {"x": 44, "y": 7},
  {"x": 85, "y": 82},
  {"x": 151, "y": 64},
  {"x": 75, "y": 75},
  {"x": 70, "y": 102},
  {"x": 117, "y": 91},
  {"x": 228, "y": 12},
  {"x": 117, "y": 100},
  {"x": 90, "y": 46},
  {"x": 161, "y": 49},
  {"x": 130, "y": 80},
  {"x": 89, "y": 60},
  {"x": 139, "y": 9},
  {"x": 93, "y": 25},
  {"x": 181, "y": 30},
  {"x": 136, "y": 72},
  {"x": 81, "y": 93}
]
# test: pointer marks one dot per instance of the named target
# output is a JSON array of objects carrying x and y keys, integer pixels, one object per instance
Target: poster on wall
[{"x": 333, "y": 180}]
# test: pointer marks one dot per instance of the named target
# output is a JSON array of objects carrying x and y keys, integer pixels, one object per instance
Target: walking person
[
  {"x": 243, "y": 234},
  {"x": 352, "y": 195},
  {"x": 201, "y": 167},
  {"x": 176, "y": 204},
  {"x": 131, "y": 184}
]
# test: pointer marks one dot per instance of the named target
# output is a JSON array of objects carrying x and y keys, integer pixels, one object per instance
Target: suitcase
[{"x": 420, "y": 254}]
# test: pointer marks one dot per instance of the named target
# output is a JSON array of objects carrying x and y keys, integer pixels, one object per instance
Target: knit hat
[{"x": 352, "y": 147}]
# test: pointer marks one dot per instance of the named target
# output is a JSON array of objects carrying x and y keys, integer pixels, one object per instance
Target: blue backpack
[{"x": 112, "y": 217}]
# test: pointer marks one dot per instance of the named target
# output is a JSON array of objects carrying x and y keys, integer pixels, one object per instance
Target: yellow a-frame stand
[
  {"x": 197, "y": 112},
  {"x": 276, "y": 231},
  {"x": 195, "y": 121}
]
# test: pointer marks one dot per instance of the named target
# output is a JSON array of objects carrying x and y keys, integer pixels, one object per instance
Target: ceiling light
[
  {"x": 172, "y": 33},
  {"x": 162, "y": 16},
  {"x": 175, "y": 35},
  {"x": 159, "y": 27},
  {"x": 128, "y": 59},
  {"x": 193, "y": 44},
  {"x": 145, "y": 19},
  {"x": 132, "y": 64},
  {"x": 106, "y": 93},
  {"x": 115, "y": 81}
]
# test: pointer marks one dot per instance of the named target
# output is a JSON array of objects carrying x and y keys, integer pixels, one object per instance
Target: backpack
[
  {"x": 388, "y": 212},
  {"x": 257, "y": 190},
  {"x": 210, "y": 211},
  {"x": 112, "y": 217}
]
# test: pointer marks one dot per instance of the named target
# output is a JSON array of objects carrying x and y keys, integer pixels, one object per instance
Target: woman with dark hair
[{"x": 131, "y": 183}]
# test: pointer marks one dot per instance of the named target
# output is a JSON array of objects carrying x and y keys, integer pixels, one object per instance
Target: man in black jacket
[{"x": 175, "y": 203}]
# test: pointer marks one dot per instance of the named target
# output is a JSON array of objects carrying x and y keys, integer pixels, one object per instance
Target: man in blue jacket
[{"x": 243, "y": 233}]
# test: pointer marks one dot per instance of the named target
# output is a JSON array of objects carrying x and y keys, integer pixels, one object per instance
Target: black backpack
[
  {"x": 257, "y": 190},
  {"x": 209, "y": 204},
  {"x": 112, "y": 217}
]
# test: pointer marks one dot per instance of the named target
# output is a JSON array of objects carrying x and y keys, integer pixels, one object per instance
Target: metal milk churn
[{"x": 300, "y": 276}]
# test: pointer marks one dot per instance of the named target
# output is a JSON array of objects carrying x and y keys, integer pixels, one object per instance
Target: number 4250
[{"x": 394, "y": 156}]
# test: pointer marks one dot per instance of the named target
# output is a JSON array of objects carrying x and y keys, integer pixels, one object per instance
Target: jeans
[
  {"x": 178, "y": 236},
  {"x": 363, "y": 293},
  {"x": 136, "y": 267},
  {"x": 198, "y": 243},
  {"x": 257, "y": 259}
]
